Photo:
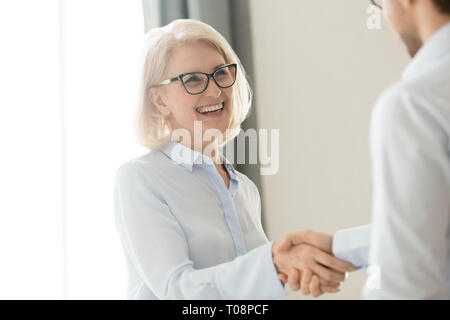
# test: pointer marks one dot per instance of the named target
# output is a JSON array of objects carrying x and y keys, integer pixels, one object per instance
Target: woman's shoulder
[
  {"x": 151, "y": 165},
  {"x": 138, "y": 178}
]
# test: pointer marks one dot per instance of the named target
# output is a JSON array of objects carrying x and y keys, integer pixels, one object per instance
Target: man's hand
[
  {"x": 320, "y": 240},
  {"x": 321, "y": 271}
]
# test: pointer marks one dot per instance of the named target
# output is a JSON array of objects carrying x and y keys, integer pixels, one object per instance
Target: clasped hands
[{"x": 305, "y": 261}]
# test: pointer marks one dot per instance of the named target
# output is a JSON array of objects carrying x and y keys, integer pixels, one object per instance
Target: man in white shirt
[{"x": 409, "y": 237}]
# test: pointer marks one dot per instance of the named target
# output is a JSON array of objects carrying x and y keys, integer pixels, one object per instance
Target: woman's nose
[{"x": 212, "y": 89}]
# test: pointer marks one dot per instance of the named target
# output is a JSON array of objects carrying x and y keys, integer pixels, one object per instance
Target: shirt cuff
[
  {"x": 278, "y": 285},
  {"x": 352, "y": 245},
  {"x": 252, "y": 276}
]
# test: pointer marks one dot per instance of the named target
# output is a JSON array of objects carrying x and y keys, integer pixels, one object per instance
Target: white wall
[{"x": 318, "y": 71}]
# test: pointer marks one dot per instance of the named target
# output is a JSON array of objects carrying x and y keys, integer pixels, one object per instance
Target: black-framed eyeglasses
[
  {"x": 197, "y": 82},
  {"x": 377, "y": 3}
]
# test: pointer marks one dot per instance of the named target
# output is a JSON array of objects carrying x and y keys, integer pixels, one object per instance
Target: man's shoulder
[
  {"x": 427, "y": 86},
  {"x": 417, "y": 105},
  {"x": 425, "y": 96},
  {"x": 392, "y": 104}
]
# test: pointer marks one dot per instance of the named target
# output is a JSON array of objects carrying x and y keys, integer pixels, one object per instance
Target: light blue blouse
[{"x": 186, "y": 235}]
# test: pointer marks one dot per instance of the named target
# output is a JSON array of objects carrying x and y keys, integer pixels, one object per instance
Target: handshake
[{"x": 304, "y": 260}]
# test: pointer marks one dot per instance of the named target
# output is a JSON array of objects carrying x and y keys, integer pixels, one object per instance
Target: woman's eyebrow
[
  {"x": 222, "y": 64},
  {"x": 216, "y": 67}
]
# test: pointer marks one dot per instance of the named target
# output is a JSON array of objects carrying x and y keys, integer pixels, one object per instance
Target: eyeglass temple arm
[
  {"x": 375, "y": 4},
  {"x": 169, "y": 81}
]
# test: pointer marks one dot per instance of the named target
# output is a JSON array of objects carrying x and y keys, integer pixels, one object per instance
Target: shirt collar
[
  {"x": 183, "y": 155},
  {"x": 435, "y": 48},
  {"x": 230, "y": 168},
  {"x": 187, "y": 157}
]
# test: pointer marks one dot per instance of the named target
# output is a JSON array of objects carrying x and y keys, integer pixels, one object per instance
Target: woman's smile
[{"x": 211, "y": 110}]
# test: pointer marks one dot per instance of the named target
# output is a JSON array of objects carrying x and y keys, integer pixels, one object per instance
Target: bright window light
[{"x": 68, "y": 89}]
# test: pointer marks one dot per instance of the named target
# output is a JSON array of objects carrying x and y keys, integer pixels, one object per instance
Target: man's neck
[
  {"x": 431, "y": 29},
  {"x": 429, "y": 21}
]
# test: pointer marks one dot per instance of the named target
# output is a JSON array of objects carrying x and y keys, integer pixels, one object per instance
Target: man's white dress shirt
[{"x": 409, "y": 238}]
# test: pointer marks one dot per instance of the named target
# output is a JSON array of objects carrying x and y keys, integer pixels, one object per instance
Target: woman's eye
[{"x": 192, "y": 79}]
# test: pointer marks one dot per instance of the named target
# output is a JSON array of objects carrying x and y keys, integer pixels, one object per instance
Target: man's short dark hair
[{"x": 442, "y": 5}]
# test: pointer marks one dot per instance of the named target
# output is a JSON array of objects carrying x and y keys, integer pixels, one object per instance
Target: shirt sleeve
[
  {"x": 156, "y": 245},
  {"x": 352, "y": 245},
  {"x": 411, "y": 202}
]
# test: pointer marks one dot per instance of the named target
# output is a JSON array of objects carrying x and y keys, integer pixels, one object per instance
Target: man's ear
[{"x": 158, "y": 99}]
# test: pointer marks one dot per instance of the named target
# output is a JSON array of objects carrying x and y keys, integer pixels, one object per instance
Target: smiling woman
[
  {"x": 189, "y": 223},
  {"x": 182, "y": 219}
]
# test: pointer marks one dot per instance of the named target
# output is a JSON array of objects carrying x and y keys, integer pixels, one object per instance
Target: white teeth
[{"x": 210, "y": 108}]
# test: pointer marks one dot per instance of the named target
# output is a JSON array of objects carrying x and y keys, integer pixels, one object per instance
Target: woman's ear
[{"x": 158, "y": 99}]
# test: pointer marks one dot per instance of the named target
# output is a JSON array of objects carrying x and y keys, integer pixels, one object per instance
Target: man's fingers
[
  {"x": 315, "y": 287},
  {"x": 294, "y": 279},
  {"x": 306, "y": 279},
  {"x": 332, "y": 262},
  {"x": 328, "y": 274}
]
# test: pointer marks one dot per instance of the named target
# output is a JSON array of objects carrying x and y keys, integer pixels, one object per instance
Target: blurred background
[{"x": 68, "y": 95}]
